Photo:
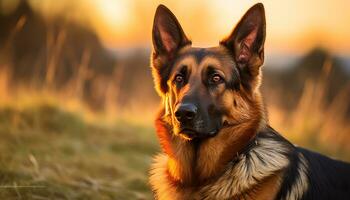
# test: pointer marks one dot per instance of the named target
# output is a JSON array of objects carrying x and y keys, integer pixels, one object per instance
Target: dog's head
[{"x": 205, "y": 90}]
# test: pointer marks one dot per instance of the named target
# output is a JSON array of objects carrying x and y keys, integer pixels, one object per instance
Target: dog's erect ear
[
  {"x": 168, "y": 35},
  {"x": 246, "y": 41},
  {"x": 168, "y": 38}
]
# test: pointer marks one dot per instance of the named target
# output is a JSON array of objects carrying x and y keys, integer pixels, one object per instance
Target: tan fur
[
  {"x": 165, "y": 187},
  {"x": 266, "y": 191},
  {"x": 180, "y": 153}
]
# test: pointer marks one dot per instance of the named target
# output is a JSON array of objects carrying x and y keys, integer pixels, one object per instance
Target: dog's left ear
[
  {"x": 167, "y": 34},
  {"x": 246, "y": 41},
  {"x": 168, "y": 38}
]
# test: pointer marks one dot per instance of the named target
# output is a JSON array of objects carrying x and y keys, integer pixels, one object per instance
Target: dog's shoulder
[
  {"x": 328, "y": 178},
  {"x": 311, "y": 175}
]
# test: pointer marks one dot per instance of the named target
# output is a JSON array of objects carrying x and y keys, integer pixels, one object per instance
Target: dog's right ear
[
  {"x": 168, "y": 37},
  {"x": 246, "y": 43}
]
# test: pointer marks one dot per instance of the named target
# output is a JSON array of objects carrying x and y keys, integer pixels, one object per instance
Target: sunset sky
[{"x": 292, "y": 26}]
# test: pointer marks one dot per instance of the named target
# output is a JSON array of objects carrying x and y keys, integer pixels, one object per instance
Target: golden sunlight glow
[
  {"x": 114, "y": 21},
  {"x": 114, "y": 13},
  {"x": 292, "y": 26}
]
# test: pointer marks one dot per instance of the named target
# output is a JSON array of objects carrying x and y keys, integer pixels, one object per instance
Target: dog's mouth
[{"x": 190, "y": 134}]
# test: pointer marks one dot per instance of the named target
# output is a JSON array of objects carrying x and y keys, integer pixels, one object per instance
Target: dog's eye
[
  {"x": 216, "y": 79},
  {"x": 179, "y": 78}
]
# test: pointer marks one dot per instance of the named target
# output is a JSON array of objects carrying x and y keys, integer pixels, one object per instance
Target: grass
[
  {"x": 53, "y": 148},
  {"x": 50, "y": 153}
]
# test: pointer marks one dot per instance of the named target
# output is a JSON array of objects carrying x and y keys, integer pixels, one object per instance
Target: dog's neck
[{"x": 260, "y": 161}]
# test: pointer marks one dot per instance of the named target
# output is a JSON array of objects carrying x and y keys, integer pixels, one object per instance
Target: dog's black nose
[{"x": 186, "y": 112}]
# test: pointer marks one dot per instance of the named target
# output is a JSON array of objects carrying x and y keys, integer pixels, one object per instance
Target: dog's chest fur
[{"x": 254, "y": 174}]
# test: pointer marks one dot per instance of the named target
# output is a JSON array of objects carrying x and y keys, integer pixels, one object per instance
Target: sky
[{"x": 293, "y": 26}]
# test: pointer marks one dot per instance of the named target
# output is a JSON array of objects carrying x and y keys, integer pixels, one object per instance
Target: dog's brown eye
[
  {"x": 179, "y": 78},
  {"x": 216, "y": 79}
]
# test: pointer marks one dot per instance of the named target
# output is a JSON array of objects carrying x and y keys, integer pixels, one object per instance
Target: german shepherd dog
[{"x": 213, "y": 128}]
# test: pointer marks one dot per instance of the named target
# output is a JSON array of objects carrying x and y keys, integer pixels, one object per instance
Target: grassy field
[
  {"x": 50, "y": 153},
  {"x": 53, "y": 147}
]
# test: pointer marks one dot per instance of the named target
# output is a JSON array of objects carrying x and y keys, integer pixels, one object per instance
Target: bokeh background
[{"x": 77, "y": 99}]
